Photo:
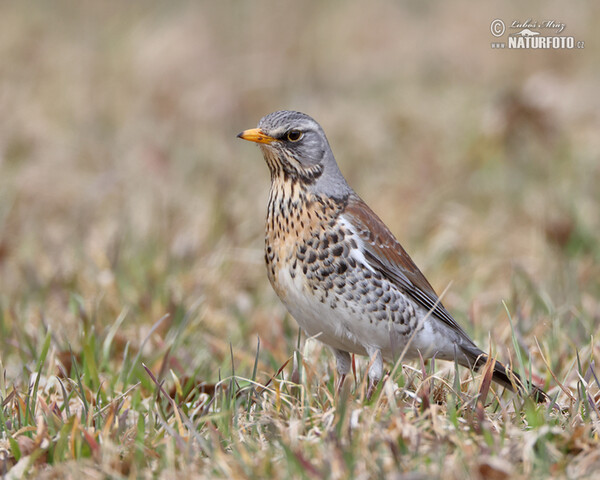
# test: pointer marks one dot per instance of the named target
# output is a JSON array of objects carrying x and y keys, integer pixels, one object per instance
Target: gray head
[{"x": 295, "y": 148}]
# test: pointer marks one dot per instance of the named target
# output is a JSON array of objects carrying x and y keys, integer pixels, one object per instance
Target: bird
[{"x": 339, "y": 270}]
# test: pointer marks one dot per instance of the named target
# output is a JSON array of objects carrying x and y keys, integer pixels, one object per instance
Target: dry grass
[{"x": 131, "y": 237}]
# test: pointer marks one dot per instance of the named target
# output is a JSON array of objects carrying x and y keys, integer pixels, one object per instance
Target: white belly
[{"x": 343, "y": 329}]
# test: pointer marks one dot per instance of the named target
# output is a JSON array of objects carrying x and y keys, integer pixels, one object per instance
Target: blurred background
[{"x": 123, "y": 188}]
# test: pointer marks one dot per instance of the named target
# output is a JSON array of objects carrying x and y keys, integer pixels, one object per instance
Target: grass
[{"x": 139, "y": 336}]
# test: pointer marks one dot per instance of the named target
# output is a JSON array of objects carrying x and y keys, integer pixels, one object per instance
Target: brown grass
[{"x": 125, "y": 196}]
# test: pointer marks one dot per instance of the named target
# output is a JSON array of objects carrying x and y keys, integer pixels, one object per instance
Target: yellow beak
[{"x": 256, "y": 135}]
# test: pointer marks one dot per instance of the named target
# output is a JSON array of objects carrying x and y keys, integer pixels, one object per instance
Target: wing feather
[{"x": 385, "y": 254}]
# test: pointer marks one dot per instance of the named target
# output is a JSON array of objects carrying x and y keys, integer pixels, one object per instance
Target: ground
[{"x": 139, "y": 336}]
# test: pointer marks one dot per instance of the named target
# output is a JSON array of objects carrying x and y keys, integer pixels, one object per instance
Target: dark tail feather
[{"x": 505, "y": 376}]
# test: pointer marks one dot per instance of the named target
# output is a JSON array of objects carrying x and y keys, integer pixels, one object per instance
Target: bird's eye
[{"x": 294, "y": 135}]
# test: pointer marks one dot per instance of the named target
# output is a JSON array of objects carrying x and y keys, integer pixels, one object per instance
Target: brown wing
[{"x": 385, "y": 254}]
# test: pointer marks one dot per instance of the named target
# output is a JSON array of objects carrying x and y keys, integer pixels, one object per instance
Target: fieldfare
[{"x": 339, "y": 270}]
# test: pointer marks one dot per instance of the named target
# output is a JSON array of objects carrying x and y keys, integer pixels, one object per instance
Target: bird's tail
[{"x": 503, "y": 376}]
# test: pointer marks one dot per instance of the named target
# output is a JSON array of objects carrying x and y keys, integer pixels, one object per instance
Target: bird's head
[
  {"x": 292, "y": 143},
  {"x": 295, "y": 146}
]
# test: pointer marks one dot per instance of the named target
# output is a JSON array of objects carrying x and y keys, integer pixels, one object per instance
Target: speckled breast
[
  {"x": 296, "y": 241},
  {"x": 316, "y": 267}
]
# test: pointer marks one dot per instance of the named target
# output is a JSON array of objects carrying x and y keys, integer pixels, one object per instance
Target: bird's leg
[
  {"x": 340, "y": 384},
  {"x": 343, "y": 363},
  {"x": 375, "y": 371}
]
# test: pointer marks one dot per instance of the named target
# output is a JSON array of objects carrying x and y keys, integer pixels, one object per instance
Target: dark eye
[{"x": 294, "y": 135}]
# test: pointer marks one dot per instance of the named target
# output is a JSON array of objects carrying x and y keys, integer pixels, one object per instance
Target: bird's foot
[
  {"x": 375, "y": 370},
  {"x": 371, "y": 389}
]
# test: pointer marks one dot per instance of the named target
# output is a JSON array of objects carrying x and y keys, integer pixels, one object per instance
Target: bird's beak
[{"x": 256, "y": 135}]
